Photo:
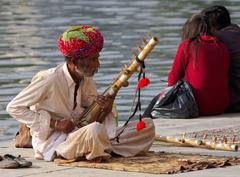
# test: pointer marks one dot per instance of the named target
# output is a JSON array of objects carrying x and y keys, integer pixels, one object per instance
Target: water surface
[{"x": 29, "y": 32}]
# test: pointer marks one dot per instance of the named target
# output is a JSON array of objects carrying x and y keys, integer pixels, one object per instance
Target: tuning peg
[
  {"x": 224, "y": 139},
  {"x": 144, "y": 41},
  {"x": 140, "y": 48},
  {"x": 234, "y": 138},
  {"x": 134, "y": 52},
  {"x": 131, "y": 61},
  {"x": 195, "y": 135},
  {"x": 125, "y": 66},
  {"x": 184, "y": 135},
  {"x": 150, "y": 36},
  {"x": 214, "y": 139},
  {"x": 205, "y": 136}
]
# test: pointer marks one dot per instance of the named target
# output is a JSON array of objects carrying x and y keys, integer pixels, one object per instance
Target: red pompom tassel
[
  {"x": 143, "y": 83},
  {"x": 140, "y": 125},
  {"x": 161, "y": 93}
]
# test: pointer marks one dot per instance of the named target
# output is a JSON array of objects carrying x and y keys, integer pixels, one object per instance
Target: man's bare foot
[
  {"x": 38, "y": 156},
  {"x": 98, "y": 159}
]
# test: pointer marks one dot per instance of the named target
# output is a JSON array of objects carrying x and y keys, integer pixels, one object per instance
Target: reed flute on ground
[{"x": 198, "y": 143}]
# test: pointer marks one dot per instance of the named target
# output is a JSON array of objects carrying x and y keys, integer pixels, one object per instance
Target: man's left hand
[{"x": 105, "y": 103}]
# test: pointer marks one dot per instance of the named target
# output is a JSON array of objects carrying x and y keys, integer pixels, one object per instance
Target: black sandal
[
  {"x": 23, "y": 163},
  {"x": 8, "y": 163}
]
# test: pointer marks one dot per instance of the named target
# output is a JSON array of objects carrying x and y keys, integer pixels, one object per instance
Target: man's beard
[{"x": 84, "y": 72}]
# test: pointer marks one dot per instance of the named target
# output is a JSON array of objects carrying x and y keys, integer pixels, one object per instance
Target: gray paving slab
[{"x": 171, "y": 127}]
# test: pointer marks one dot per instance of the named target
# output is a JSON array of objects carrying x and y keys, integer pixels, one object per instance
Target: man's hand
[
  {"x": 64, "y": 125},
  {"x": 105, "y": 104}
]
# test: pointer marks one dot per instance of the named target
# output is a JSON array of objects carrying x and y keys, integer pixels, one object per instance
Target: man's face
[{"x": 88, "y": 66}]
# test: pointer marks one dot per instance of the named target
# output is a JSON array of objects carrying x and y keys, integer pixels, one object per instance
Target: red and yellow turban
[{"x": 80, "y": 42}]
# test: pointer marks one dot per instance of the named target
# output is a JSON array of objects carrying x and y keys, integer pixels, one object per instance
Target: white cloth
[{"x": 92, "y": 141}]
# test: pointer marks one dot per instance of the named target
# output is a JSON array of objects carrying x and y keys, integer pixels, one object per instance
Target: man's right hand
[{"x": 64, "y": 125}]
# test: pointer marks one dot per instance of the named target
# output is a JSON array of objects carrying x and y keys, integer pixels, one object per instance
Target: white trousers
[{"x": 92, "y": 141}]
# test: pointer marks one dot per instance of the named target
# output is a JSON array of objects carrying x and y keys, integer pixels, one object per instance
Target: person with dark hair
[
  {"x": 229, "y": 34},
  {"x": 203, "y": 61},
  {"x": 54, "y": 100},
  {"x": 218, "y": 16}
]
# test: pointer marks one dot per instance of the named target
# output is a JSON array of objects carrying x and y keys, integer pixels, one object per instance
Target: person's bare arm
[{"x": 63, "y": 125}]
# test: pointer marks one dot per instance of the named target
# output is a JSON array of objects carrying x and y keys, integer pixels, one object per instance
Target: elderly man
[{"x": 55, "y": 98}]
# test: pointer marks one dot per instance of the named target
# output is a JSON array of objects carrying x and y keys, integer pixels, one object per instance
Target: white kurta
[{"x": 50, "y": 96}]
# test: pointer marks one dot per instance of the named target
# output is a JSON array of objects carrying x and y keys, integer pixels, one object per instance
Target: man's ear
[
  {"x": 74, "y": 61},
  {"x": 69, "y": 60}
]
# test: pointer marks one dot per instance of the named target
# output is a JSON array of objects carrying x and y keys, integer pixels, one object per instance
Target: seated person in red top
[
  {"x": 229, "y": 34},
  {"x": 203, "y": 61}
]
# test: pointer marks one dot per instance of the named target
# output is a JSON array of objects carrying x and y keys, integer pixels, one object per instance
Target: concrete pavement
[{"x": 170, "y": 127}]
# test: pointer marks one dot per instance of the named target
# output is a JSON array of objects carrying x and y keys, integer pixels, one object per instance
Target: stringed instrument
[{"x": 90, "y": 114}]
